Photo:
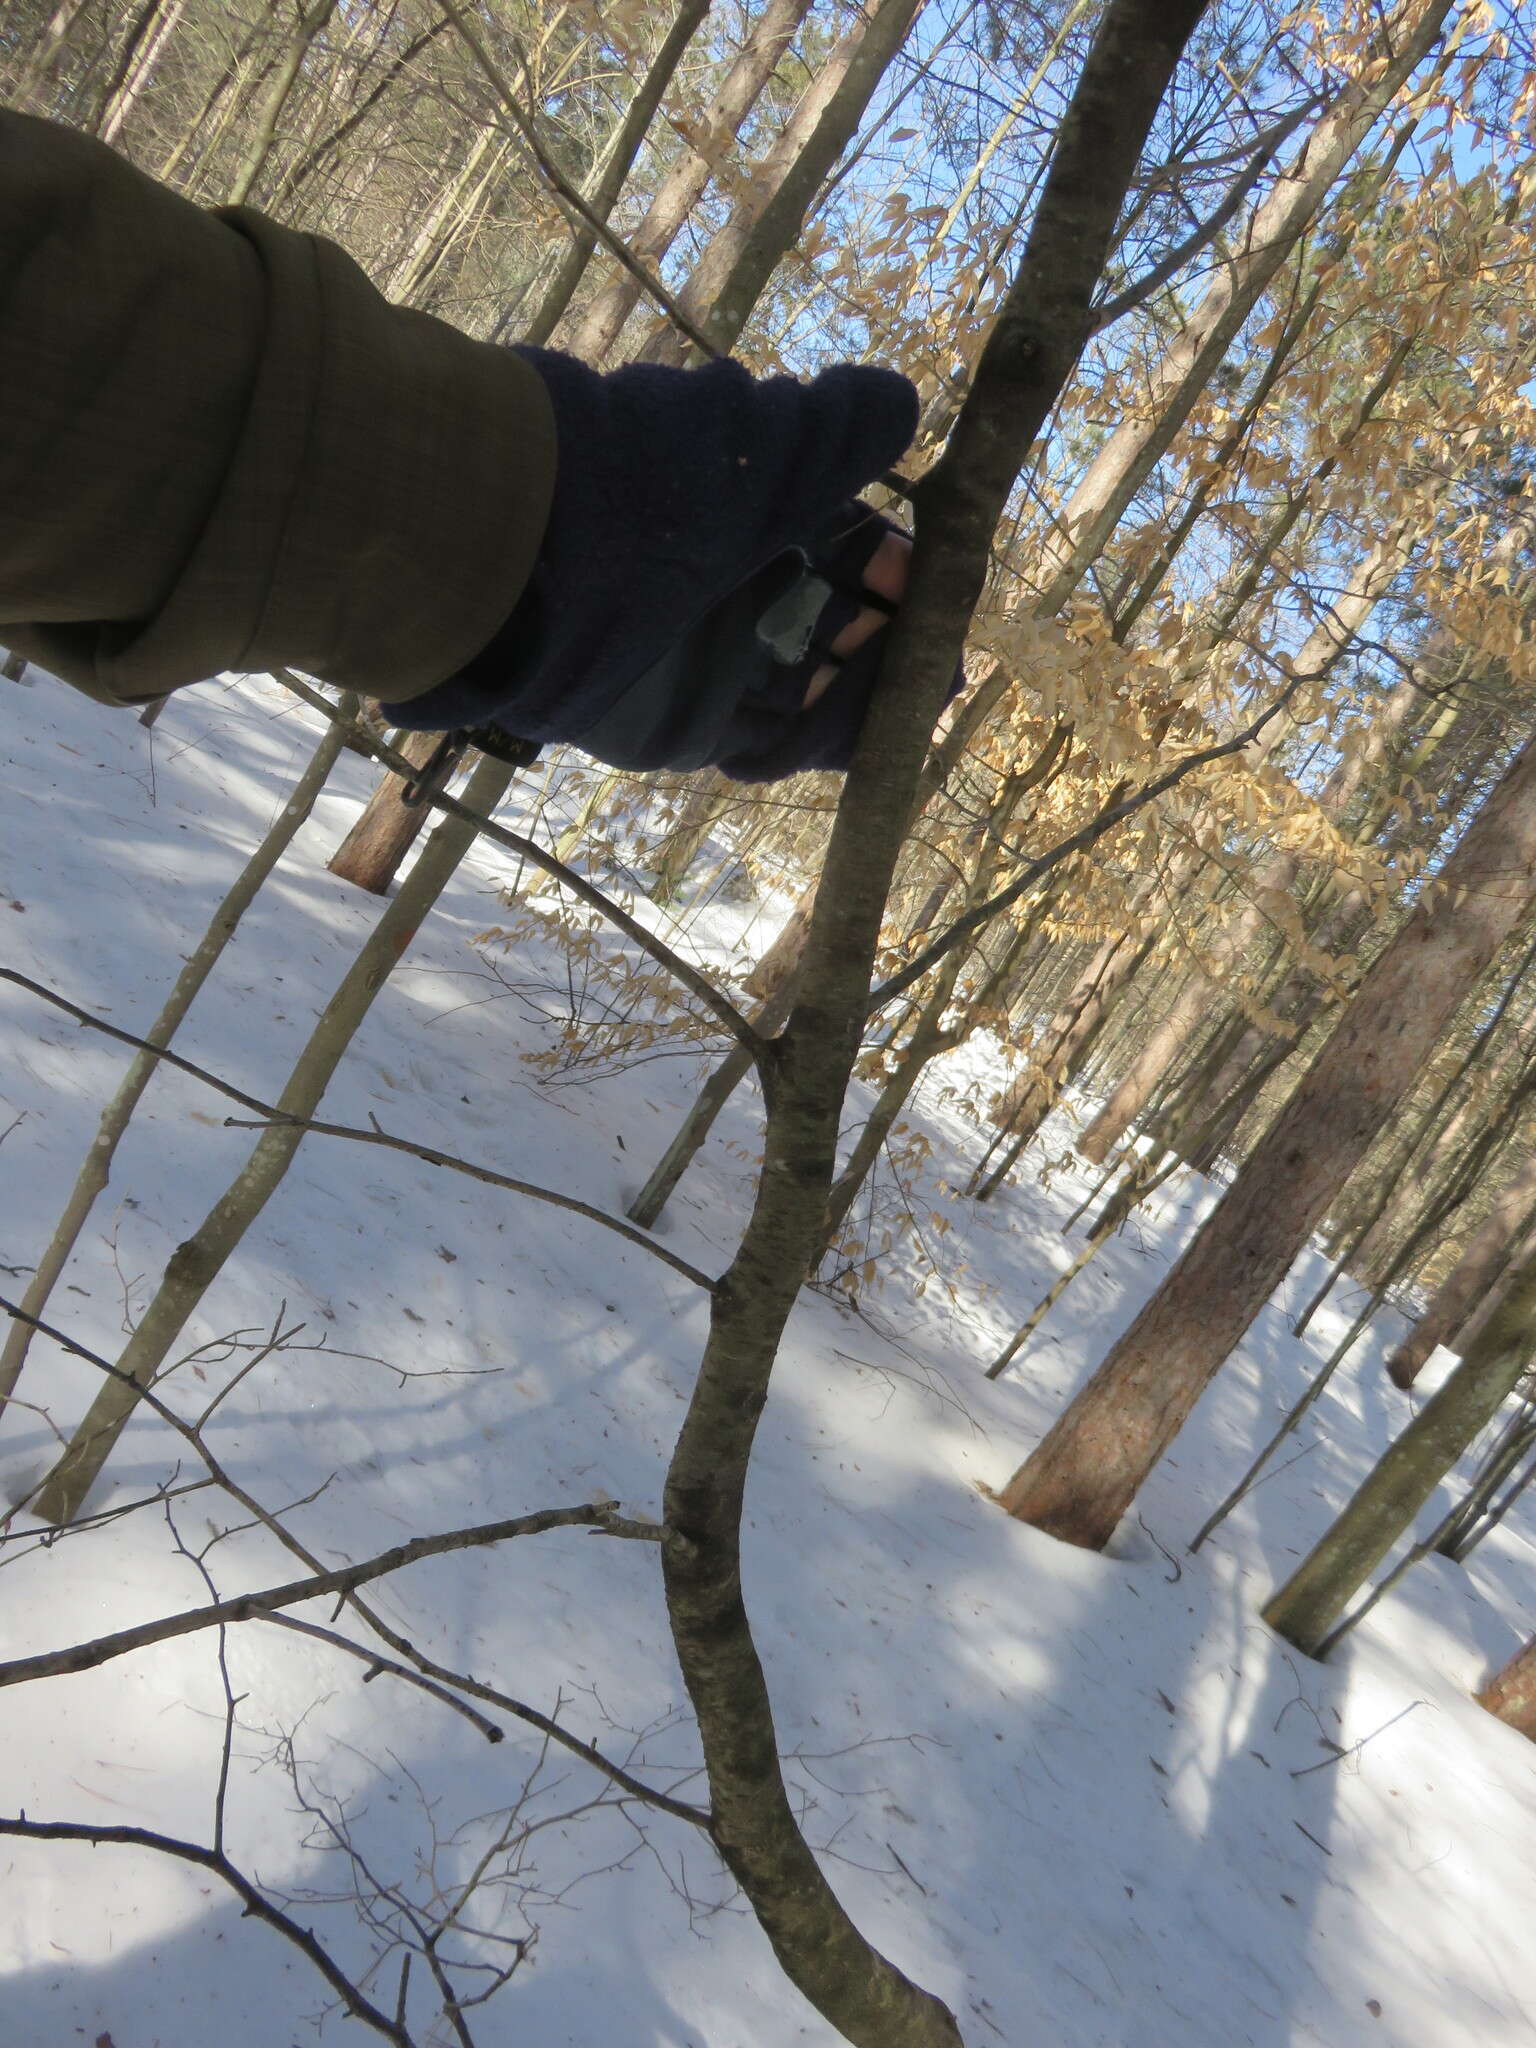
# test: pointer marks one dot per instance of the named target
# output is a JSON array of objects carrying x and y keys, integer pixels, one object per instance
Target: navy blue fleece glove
[{"x": 697, "y": 515}]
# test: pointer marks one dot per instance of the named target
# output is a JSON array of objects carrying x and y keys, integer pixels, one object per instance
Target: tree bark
[
  {"x": 1037, "y": 338},
  {"x": 680, "y": 190},
  {"x": 1086, "y": 1472},
  {"x": 1317, "y": 1592},
  {"x": 386, "y": 831},
  {"x": 96, "y": 1169},
  {"x": 1470, "y": 1279}
]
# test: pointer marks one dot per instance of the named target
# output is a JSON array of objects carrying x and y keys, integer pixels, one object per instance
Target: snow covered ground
[{"x": 1087, "y": 1800}]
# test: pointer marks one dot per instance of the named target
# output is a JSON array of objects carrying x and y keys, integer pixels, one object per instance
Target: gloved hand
[{"x": 703, "y": 550}]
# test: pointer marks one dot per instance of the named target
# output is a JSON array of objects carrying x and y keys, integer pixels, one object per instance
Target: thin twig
[
  {"x": 256, "y": 1904},
  {"x": 268, "y": 1115},
  {"x": 718, "y": 1004},
  {"x": 459, "y": 1681},
  {"x": 562, "y": 188},
  {"x": 377, "y": 1664},
  {"x": 345, "y": 1579}
]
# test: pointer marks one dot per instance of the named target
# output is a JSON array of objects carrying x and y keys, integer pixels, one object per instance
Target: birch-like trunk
[
  {"x": 197, "y": 1263},
  {"x": 96, "y": 1169},
  {"x": 613, "y": 168},
  {"x": 767, "y": 219},
  {"x": 263, "y": 132}
]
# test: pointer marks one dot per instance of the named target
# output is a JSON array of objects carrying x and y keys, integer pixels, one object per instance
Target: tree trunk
[
  {"x": 1511, "y": 1693},
  {"x": 97, "y": 1166},
  {"x": 372, "y": 851},
  {"x": 767, "y": 219},
  {"x": 136, "y": 64},
  {"x": 1085, "y": 1474},
  {"x": 1034, "y": 343},
  {"x": 1273, "y": 230},
  {"x": 1317, "y": 1592},
  {"x": 196, "y": 1264},
  {"x": 1469, "y": 1280},
  {"x": 680, "y": 190},
  {"x": 607, "y": 180},
  {"x": 264, "y": 123}
]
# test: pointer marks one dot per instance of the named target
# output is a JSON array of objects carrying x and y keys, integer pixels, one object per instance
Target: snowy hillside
[{"x": 1086, "y": 1800}]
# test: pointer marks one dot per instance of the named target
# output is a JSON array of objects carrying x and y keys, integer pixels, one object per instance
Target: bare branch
[
  {"x": 346, "y": 1579},
  {"x": 268, "y": 1115},
  {"x": 255, "y": 1903},
  {"x": 459, "y": 1681},
  {"x": 560, "y": 185}
]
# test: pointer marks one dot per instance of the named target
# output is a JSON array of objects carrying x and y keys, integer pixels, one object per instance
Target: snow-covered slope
[{"x": 1088, "y": 1800}]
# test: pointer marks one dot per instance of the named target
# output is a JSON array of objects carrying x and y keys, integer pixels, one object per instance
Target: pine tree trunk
[
  {"x": 1086, "y": 1472},
  {"x": 1317, "y": 1592}
]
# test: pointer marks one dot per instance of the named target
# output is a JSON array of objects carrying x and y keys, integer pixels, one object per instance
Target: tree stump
[{"x": 373, "y": 850}]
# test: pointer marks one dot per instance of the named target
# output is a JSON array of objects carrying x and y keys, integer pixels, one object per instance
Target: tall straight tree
[{"x": 1089, "y": 1467}]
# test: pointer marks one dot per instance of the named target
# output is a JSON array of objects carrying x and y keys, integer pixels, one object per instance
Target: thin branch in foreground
[
  {"x": 268, "y": 1116},
  {"x": 377, "y": 1665},
  {"x": 458, "y": 1681},
  {"x": 345, "y": 1579},
  {"x": 255, "y": 1903}
]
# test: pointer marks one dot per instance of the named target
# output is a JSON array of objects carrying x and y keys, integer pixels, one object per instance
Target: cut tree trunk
[
  {"x": 372, "y": 851},
  {"x": 1511, "y": 1693},
  {"x": 1090, "y": 1466}
]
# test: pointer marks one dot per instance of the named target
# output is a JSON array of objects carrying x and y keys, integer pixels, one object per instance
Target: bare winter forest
[{"x": 1215, "y": 886}]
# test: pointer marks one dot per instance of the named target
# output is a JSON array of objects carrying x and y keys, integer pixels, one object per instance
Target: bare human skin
[{"x": 886, "y": 575}]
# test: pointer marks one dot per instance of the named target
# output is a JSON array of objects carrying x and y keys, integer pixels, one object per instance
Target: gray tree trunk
[{"x": 1317, "y": 1592}]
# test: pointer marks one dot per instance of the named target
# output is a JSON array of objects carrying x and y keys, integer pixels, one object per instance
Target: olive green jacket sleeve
[{"x": 221, "y": 448}]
